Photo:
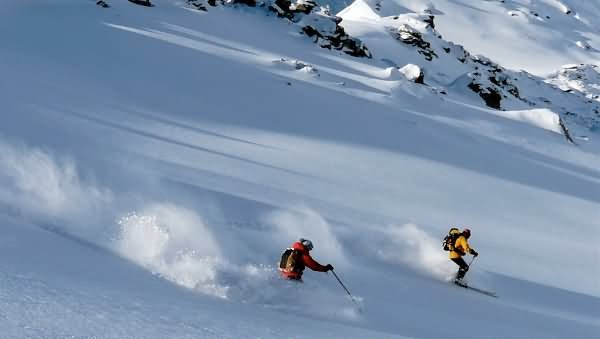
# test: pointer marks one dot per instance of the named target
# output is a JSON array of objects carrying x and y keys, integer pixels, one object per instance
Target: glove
[
  {"x": 329, "y": 267},
  {"x": 474, "y": 253}
]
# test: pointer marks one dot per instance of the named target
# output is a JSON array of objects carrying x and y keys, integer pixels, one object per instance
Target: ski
[{"x": 486, "y": 292}]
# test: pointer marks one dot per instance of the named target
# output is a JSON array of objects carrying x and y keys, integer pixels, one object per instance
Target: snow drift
[
  {"x": 39, "y": 185},
  {"x": 174, "y": 243},
  {"x": 410, "y": 246}
]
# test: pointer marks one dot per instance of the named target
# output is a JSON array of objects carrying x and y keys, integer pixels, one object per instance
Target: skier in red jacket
[{"x": 296, "y": 258}]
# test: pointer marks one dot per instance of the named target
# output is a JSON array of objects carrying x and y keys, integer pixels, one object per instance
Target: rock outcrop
[
  {"x": 102, "y": 4},
  {"x": 313, "y": 21},
  {"x": 146, "y": 3}
]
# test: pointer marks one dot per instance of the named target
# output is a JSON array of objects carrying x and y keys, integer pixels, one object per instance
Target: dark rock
[
  {"x": 324, "y": 28},
  {"x": 146, "y": 3},
  {"x": 249, "y": 3},
  {"x": 565, "y": 130},
  {"x": 312, "y": 32},
  {"x": 430, "y": 22},
  {"x": 420, "y": 79},
  {"x": 282, "y": 8},
  {"x": 491, "y": 97},
  {"x": 410, "y": 36},
  {"x": 199, "y": 4},
  {"x": 314, "y": 21}
]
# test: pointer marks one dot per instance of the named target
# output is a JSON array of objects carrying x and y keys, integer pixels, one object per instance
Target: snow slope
[{"x": 156, "y": 161}]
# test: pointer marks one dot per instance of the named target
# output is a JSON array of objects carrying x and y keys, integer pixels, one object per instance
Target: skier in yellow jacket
[{"x": 461, "y": 247}]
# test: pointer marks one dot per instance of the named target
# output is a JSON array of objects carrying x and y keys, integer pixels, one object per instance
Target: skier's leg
[{"x": 462, "y": 270}]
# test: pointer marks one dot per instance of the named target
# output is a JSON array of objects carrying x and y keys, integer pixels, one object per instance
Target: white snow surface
[{"x": 155, "y": 162}]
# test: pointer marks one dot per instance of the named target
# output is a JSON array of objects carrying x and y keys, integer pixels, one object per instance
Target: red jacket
[{"x": 307, "y": 260}]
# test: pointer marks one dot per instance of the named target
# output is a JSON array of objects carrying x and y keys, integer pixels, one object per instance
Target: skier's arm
[
  {"x": 463, "y": 246},
  {"x": 469, "y": 250},
  {"x": 313, "y": 264},
  {"x": 466, "y": 246}
]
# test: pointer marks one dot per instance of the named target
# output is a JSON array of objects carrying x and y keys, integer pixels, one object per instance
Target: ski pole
[
  {"x": 471, "y": 262},
  {"x": 346, "y": 289}
]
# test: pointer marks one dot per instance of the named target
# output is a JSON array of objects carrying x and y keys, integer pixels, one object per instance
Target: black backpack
[
  {"x": 291, "y": 261},
  {"x": 450, "y": 239}
]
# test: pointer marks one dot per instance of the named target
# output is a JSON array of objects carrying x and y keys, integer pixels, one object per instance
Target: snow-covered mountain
[
  {"x": 155, "y": 161},
  {"x": 538, "y": 36}
]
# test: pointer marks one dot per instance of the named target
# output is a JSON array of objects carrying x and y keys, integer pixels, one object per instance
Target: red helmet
[{"x": 467, "y": 233}]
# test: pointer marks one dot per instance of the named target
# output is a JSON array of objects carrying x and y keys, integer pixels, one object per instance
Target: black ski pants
[{"x": 463, "y": 267}]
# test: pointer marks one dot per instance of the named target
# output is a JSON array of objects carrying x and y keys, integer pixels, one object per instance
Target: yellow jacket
[{"x": 462, "y": 246}]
